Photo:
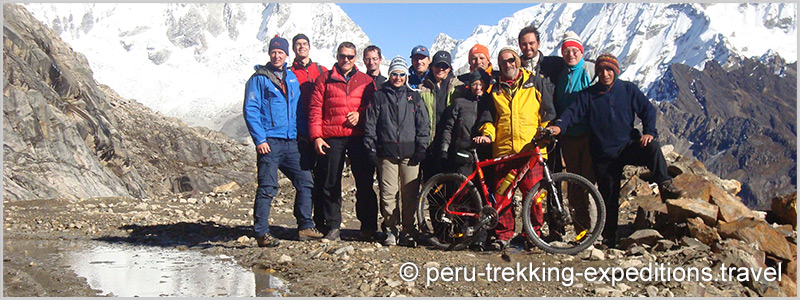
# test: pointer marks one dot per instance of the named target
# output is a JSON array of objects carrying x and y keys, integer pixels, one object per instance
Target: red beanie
[{"x": 571, "y": 39}]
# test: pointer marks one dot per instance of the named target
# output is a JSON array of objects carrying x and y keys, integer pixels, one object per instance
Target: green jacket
[{"x": 427, "y": 90}]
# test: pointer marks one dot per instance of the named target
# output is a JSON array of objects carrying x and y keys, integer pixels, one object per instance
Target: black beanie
[{"x": 300, "y": 36}]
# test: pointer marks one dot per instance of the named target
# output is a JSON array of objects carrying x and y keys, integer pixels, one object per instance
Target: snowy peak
[{"x": 191, "y": 60}]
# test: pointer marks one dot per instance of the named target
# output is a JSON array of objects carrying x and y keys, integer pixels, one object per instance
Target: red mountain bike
[{"x": 451, "y": 211}]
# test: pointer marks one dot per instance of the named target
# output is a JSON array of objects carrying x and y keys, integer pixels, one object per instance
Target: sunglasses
[
  {"x": 348, "y": 57},
  {"x": 401, "y": 75},
  {"x": 443, "y": 66},
  {"x": 511, "y": 60}
]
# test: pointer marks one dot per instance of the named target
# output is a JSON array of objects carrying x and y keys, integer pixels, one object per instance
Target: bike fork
[{"x": 555, "y": 201}]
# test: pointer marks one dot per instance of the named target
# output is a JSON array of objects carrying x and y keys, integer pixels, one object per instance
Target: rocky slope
[
  {"x": 67, "y": 136},
  {"x": 741, "y": 122}
]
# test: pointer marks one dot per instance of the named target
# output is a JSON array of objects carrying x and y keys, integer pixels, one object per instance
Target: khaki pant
[
  {"x": 575, "y": 151},
  {"x": 398, "y": 175}
]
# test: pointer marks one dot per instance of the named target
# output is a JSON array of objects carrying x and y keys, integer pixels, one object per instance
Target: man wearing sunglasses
[
  {"x": 438, "y": 89},
  {"x": 520, "y": 107},
  {"x": 336, "y": 127}
]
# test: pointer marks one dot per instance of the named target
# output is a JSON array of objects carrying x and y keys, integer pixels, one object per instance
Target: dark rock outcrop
[{"x": 67, "y": 136}]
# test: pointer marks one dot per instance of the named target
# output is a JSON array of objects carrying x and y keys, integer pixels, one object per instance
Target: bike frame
[{"x": 535, "y": 157}]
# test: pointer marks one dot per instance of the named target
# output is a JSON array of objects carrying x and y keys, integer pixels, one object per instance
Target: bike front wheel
[
  {"x": 576, "y": 226},
  {"x": 441, "y": 229}
]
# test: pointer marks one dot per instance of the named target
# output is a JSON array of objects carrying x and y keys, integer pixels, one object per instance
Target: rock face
[
  {"x": 739, "y": 120},
  {"x": 67, "y": 136}
]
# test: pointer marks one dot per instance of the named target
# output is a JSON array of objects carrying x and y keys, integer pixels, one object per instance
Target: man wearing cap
[
  {"x": 611, "y": 106},
  {"x": 306, "y": 71},
  {"x": 270, "y": 111},
  {"x": 519, "y": 109},
  {"x": 437, "y": 90},
  {"x": 336, "y": 127},
  {"x": 372, "y": 60},
  {"x": 420, "y": 60},
  {"x": 396, "y": 129},
  {"x": 574, "y": 143}
]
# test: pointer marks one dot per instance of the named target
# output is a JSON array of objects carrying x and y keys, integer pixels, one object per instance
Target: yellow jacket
[{"x": 517, "y": 112}]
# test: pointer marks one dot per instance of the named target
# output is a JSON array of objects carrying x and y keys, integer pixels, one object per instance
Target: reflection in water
[
  {"x": 152, "y": 271},
  {"x": 268, "y": 285}
]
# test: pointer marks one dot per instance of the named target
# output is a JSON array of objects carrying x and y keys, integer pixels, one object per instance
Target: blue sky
[{"x": 396, "y": 28}]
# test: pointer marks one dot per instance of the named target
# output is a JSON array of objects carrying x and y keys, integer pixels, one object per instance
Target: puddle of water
[{"x": 131, "y": 271}]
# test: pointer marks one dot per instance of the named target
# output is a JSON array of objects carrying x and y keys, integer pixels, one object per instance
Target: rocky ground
[{"x": 220, "y": 223}]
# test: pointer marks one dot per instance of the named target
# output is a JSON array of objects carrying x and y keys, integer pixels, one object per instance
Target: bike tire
[
  {"x": 578, "y": 234},
  {"x": 436, "y": 191}
]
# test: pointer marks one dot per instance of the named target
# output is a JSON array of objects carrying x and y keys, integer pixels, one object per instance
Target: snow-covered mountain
[
  {"x": 646, "y": 37},
  {"x": 191, "y": 60}
]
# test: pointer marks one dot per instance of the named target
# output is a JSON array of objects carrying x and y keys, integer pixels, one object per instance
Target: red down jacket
[{"x": 333, "y": 99}]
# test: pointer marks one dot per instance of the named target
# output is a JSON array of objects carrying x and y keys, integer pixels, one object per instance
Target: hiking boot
[
  {"x": 391, "y": 239},
  {"x": 407, "y": 240},
  {"x": 498, "y": 245},
  {"x": 309, "y": 234},
  {"x": 669, "y": 191},
  {"x": 267, "y": 240},
  {"x": 333, "y": 235},
  {"x": 368, "y": 235}
]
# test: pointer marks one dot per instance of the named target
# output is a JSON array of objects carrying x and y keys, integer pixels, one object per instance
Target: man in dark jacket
[
  {"x": 270, "y": 112},
  {"x": 396, "y": 135},
  {"x": 336, "y": 127},
  {"x": 611, "y": 107},
  {"x": 372, "y": 60}
]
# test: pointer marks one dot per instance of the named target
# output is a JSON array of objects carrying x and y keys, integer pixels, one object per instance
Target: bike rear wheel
[
  {"x": 571, "y": 233},
  {"x": 441, "y": 229}
]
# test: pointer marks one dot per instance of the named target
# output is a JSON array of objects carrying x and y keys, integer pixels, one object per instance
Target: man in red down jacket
[
  {"x": 306, "y": 71},
  {"x": 336, "y": 126}
]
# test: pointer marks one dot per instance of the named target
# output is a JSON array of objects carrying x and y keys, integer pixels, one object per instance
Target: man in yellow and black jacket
[{"x": 522, "y": 103}]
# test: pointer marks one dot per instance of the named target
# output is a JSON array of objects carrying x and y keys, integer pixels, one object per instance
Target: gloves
[
  {"x": 373, "y": 158},
  {"x": 418, "y": 157}
]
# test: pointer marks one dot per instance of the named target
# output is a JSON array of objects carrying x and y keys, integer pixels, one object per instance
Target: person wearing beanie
[
  {"x": 420, "y": 63},
  {"x": 438, "y": 89},
  {"x": 336, "y": 128},
  {"x": 396, "y": 135},
  {"x": 271, "y": 99},
  {"x": 511, "y": 127},
  {"x": 479, "y": 58},
  {"x": 372, "y": 60},
  {"x": 573, "y": 147},
  {"x": 460, "y": 121},
  {"x": 611, "y": 107},
  {"x": 306, "y": 71}
]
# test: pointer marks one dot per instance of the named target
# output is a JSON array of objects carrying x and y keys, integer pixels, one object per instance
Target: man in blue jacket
[
  {"x": 611, "y": 106},
  {"x": 270, "y": 111}
]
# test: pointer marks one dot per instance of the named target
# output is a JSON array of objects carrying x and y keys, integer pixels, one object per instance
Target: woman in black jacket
[{"x": 396, "y": 133}]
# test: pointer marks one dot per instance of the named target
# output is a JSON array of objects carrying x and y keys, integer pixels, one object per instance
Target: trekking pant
[
  {"x": 398, "y": 176},
  {"x": 328, "y": 183}
]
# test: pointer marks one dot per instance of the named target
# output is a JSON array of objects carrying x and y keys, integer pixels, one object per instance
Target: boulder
[
  {"x": 699, "y": 230},
  {"x": 227, "y": 188},
  {"x": 663, "y": 245},
  {"x": 685, "y": 208},
  {"x": 694, "y": 243},
  {"x": 730, "y": 208},
  {"x": 759, "y": 233},
  {"x": 694, "y": 186},
  {"x": 651, "y": 213},
  {"x": 785, "y": 209},
  {"x": 788, "y": 287},
  {"x": 732, "y": 186},
  {"x": 641, "y": 237}
]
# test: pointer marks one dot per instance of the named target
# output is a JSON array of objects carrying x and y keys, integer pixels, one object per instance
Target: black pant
[
  {"x": 609, "y": 174},
  {"x": 328, "y": 183}
]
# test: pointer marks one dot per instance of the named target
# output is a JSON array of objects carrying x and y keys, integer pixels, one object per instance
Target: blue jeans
[{"x": 283, "y": 155}]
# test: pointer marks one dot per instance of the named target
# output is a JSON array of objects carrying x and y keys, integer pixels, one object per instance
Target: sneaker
[
  {"x": 669, "y": 191},
  {"x": 391, "y": 239},
  {"x": 267, "y": 240},
  {"x": 309, "y": 234},
  {"x": 333, "y": 235},
  {"x": 498, "y": 245}
]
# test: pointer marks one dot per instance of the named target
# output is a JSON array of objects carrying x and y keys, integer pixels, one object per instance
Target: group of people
[{"x": 422, "y": 120}]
